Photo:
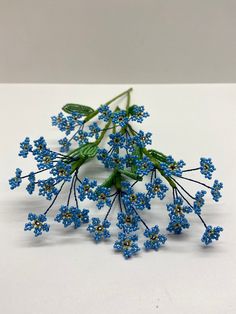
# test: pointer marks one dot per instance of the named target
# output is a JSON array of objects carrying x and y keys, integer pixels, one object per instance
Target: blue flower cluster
[
  {"x": 171, "y": 167},
  {"x": 210, "y": 234},
  {"x": 99, "y": 229},
  {"x": 177, "y": 211},
  {"x": 37, "y": 224},
  {"x": 207, "y": 167},
  {"x": 68, "y": 215},
  {"x": 155, "y": 239},
  {"x": 128, "y": 161}
]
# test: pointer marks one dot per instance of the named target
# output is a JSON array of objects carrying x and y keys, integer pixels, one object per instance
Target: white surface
[{"x": 64, "y": 271}]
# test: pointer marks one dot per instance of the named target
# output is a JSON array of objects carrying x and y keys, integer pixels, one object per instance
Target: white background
[
  {"x": 64, "y": 271},
  {"x": 111, "y": 41}
]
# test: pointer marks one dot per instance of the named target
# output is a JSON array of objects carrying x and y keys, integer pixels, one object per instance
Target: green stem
[{"x": 94, "y": 113}]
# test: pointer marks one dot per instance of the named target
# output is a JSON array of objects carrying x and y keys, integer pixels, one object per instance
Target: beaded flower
[{"x": 136, "y": 178}]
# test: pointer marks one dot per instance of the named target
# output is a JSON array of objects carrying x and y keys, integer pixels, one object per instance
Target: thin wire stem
[
  {"x": 113, "y": 201},
  {"x": 209, "y": 187},
  {"x": 54, "y": 200},
  {"x": 183, "y": 188}
]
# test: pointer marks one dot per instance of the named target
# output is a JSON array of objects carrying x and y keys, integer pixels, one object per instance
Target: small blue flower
[
  {"x": 177, "y": 223},
  {"x": 86, "y": 189},
  {"x": 31, "y": 186},
  {"x": 37, "y": 224},
  {"x": 75, "y": 117},
  {"x": 172, "y": 167},
  {"x": 99, "y": 230},
  {"x": 40, "y": 146},
  {"x": 16, "y": 181},
  {"x": 94, "y": 130},
  {"x": 138, "y": 113},
  {"x": 142, "y": 139},
  {"x": 102, "y": 196},
  {"x": 116, "y": 161},
  {"x": 128, "y": 223},
  {"x": 105, "y": 113},
  {"x": 65, "y": 145},
  {"x": 68, "y": 215},
  {"x": 120, "y": 118},
  {"x": 58, "y": 120},
  {"x": 26, "y": 147},
  {"x": 80, "y": 217},
  {"x": 199, "y": 202},
  {"x": 133, "y": 200},
  {"x": 177, "y": 208},
  {"x": 156, "y": 188},
  {"x": 47, "y": 188},
  {"x": 207, "y": 167},
  {"x": 117, "y": 140},
  {"x": 144, "y": 166},
  {"x": 210, "y": 234},
  {"x": 155, "y": 238},
  {"x": 81, "y": 137},
  {"x": 102, "y": 155},
  {"x": 127, "y": 244},
  {"x": 65, "y": 215},
  {"x": 215, "y": 190},
  {"x": 45, "y": 159},
  {"x": 62, "y": 171}
]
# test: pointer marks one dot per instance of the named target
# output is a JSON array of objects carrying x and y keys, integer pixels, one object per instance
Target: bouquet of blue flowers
[{"x": 131, "y": 160}]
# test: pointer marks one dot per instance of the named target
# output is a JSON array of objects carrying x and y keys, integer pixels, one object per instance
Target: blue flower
[
  {"x": 199, "y": 202},
  {"x": 117, "y": 140},
  {"x": 210, "y": 234},
  {"x": 131, "y": 144},
  {"x": 127, "y": 244},
  {"x": 177, "y": 208},
  {"x": 40, "y": 146},
  {"x": 142, "y": 139},
  {"x": 65, "y": 215},
  {"x": 58, "y": 120},
  {"x": 62, "y": 171},
  {"x": 94, "y": 130},
  {"x": 75, "y": 117},
  {"x": 144, "y": 166},
  {"x": 128, "y": 223},
  {"x": 207, "y": 167},
  {"x": 215, "y": 190},
  {"x": 46, "y": 159},
  {"x": 68, "y": 215},
  {"x": 99, "y": 230},
  {"x": 102, "y": 155},
  {"x": 177, "y": 223},
  {"x": 133, "y": 200},
  {"x": 16, "y": 181},
  {"x": 120, "y": 118},
  {"x": 138, "y": 114},
  {"x": 172, "y": 167},
  {"x": 105, "y": 113},
  {"x": 80, "y": 216},
  {"x": 81, "y": 137},
  {"x": 37, "y": 224},
  {"x": 47, "y": 188},
  {"x": 102, "y": 196},
  {"x": 26, "y": 147},
  {"x": 156, "y": 188},
  {"x": 65, "y": 145},
  {"x": 85, "y": 189},
  {"x": 155, "y": 239},
  {"x": 31, "y": 186},
  {"x": 116, "y": 161}
]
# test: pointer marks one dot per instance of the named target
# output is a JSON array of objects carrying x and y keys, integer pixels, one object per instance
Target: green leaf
[
  {"x": 131, "y": 175},
  {"x": 157, "y": 155},
  {"x": 84, "y": 110},
  {"x": 88, "y": 150}
]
